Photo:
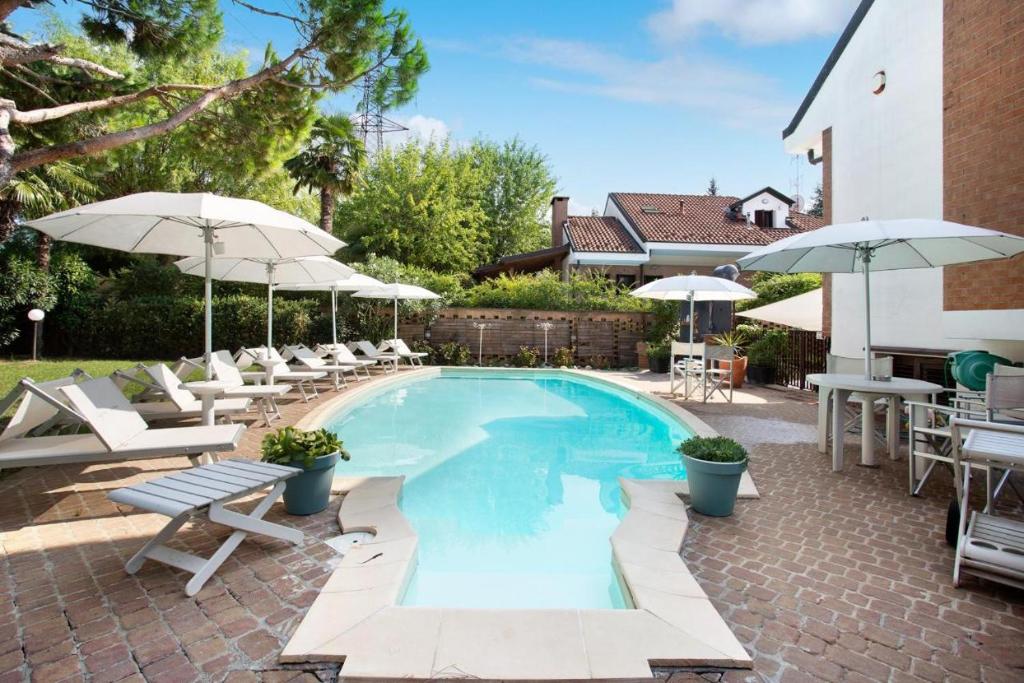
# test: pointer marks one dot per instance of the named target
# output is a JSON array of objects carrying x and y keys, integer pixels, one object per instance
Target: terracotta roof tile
[
  {"x": 699, "y": 219},
  {"x": 601, "y": 233}
]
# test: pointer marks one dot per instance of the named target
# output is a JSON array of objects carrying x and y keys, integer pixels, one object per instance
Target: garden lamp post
[
  {"x": 36, "y": 315},
  {"x": 480, "y": 344},
  {"x": 547, "y": 327}
]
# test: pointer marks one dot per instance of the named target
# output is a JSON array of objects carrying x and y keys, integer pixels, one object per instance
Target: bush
[
  {"x": 772, "y": 287},
  {"x": 659, "y": 350},
  {"x": 545, "y": 291},
  {"x": 452, "y": 353},
  {"x": 765, "y": 351},
  {"x": 563, "y": 357},
  {"x": 713, "y": 449},
  {"x": 526, "y": 357}
]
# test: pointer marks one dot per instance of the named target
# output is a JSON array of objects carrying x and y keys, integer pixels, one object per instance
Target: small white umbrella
[
  {"x": 396, "y": 291},
  {"x": 353, "y": 283},
  {"x": 869, "y": 245},
  {"x": 304, "y": 269},
  {"x": 693, "y": 288},
  {"x": 198, "y": 224}
]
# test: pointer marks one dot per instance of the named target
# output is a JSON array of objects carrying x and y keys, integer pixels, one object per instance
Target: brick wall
[
  {"x": 983, "y": 150},
  {"x": 826, "y": 192},
  {"x": 602, "y": 339}
]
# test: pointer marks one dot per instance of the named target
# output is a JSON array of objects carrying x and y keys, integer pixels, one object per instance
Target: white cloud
[
  {"x": 734, "y": 95},
  {"x": 420, "y": 128},
  {"x": 758, "y": 22}
]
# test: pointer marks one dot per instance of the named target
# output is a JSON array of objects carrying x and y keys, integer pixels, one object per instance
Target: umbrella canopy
[
  {"x": 396, "y": 291},
  {"x": 190, "y": 225},
  {"x": 802, "y": 312},
  {"x": 869, "y": 245},
  {"x": 303, "y": 269},
  {"x": 352, "y": 283},
  {"x": 693, "y": 288}
]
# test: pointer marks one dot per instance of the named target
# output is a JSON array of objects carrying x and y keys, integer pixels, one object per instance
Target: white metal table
[{"x": 840, "y": 386}]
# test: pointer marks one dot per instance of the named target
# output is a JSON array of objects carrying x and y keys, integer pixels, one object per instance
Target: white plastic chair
[
  {"x": 399, "y": 347},
  {"x": 681, "y": 362},
  {"x": 371, "y": 352}
]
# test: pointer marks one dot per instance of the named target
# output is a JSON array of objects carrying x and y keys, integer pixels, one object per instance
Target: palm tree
[{"x": 330, "y": 163}]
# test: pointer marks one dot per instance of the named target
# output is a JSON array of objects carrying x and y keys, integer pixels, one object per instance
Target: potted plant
[
  {"x": 714, "y": 465},
  {"x": 659, "y": 356},
  {"x": 734, "y": 339},
  {"x": 315, "y": 452},
  {"x": 763, "y": 355}
]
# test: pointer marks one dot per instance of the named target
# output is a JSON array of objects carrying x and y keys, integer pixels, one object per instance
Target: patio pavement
[{"x": 838, "y": 577}]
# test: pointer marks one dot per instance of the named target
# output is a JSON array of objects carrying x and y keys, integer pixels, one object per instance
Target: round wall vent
[{"x": 878, "y": 82}]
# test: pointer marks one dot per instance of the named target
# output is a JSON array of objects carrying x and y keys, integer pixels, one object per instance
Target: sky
[{"x": 638, "y": 96}]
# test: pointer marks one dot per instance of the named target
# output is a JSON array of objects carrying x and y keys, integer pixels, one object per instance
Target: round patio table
[{"x": 840, "y": 386}]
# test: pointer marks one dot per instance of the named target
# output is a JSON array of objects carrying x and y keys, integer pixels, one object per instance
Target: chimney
[{"x": 559, "y": 214}]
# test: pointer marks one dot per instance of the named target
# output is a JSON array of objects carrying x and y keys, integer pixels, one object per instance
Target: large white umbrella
[
  {"x": 693, "y": 288},
  {"x": 352, "y": 283},
  {"x": 190, "y": 225},
  {"x": 396, "y": 291},
  {"x": 869, "y": 245},
  {"x": 303, "y": 269}
]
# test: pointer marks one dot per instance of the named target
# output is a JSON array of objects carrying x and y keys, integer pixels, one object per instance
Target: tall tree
[
  {"x": 336, "y": 43},
  {"x": 712, "y": 190},
  {"x": 329, "y": 163},
  {"x": 817, "y": 202}
]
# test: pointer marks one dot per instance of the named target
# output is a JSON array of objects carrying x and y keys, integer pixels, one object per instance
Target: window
[
  {"x": 764, "y": 218},
  {"x": 651, "y": 278},
  {"x": 623, "y": 280}
]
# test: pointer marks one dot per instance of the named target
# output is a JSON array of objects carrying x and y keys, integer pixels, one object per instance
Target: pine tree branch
[
  {"x": 16, "y": 51},
  {"x": 50, "y": 113}
]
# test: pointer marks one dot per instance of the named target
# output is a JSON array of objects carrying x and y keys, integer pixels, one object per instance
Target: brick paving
[{"x": 837, "y": 577}]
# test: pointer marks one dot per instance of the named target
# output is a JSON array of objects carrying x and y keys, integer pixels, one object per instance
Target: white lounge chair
[
  {"x": 987, "y": 546},
  {"x": 275, "y": 369},
  {"x": 224, "y": 370},
  {"x": 372, "y": 353},
  {"x": 205, "y": 490},
  {"x": 118, "y": 432},
  {"x": 41, "y": 407},
  {"x": 166, "y": 399},
  {"x": 400, "y": 348},
  {"x": 308, "y": 358},
  {"x": 342, "y": 355}
]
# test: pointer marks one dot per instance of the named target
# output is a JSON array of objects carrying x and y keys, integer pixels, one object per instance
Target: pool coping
[{"x": 356, "y": 618}]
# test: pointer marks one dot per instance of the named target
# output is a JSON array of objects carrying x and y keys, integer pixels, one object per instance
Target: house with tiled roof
[{"x": 642, "y": 236}]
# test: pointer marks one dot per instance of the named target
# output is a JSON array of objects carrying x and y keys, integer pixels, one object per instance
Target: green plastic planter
[
  {"x": 310, "y": 492},
  {"x": 713, "y": 485}
]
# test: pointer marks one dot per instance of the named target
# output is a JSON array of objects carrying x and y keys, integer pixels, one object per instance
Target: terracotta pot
[{"x": 739, "y": 371}]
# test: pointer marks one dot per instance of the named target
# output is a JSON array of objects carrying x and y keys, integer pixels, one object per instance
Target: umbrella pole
[
  {"x": 334, "y": 316},
  {"x": 689, "y": 360},
  {"x": 394, "y": 339},
  {"x": 208, "y": 295},
  {"x": 866, "y": 260},
  {"x": 270, "y": 307}
]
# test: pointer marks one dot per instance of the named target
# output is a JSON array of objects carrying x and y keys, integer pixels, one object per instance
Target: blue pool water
[{"x": 511, "y": 481}]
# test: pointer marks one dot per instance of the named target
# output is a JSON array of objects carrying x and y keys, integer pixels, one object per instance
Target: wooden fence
[{"x": 599, "y": 338}]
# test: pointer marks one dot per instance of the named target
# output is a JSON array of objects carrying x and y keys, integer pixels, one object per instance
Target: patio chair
[
  {"x": 164, "y": 397},
  {"x": 714, "y": 373},
  {"x": 400, "y": 348},
  {"x": 204, "y": 491},
  {"x": 987, "y": 546},
  {"x": 275, "y": 368},
  {"x": 371, "y": 352},
  {"x": 308, "y": 358},
  {"x": 225, "y": 370},
  {"x": 118, "y": 432},
  {"x": 342, "y": 355},
  {"x": 680, "y": 361}
]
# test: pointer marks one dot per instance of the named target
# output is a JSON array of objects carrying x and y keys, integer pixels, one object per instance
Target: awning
[{"x": 802, "y": 312}]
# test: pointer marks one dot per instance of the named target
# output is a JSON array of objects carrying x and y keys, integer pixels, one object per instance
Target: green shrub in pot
[
  {"x": 659, "y": 356},
  {"x": 714, "y": 467},
  {"x": 316, "y": 452},
  {"x": 763, "y": 354}
]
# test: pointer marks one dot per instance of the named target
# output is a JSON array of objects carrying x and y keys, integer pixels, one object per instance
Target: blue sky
[{"x": 650, "y": 96}]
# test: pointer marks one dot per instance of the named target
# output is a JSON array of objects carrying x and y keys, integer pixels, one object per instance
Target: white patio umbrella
[
  {"x": 353, "y": 283},
  {"x": 197, "y": 224},
  {"x": 303, "y": 269},
  {"x": 396, "y": 291},
  {"x": 693, "y": 288},
  {"x": 869, "y": 245}
]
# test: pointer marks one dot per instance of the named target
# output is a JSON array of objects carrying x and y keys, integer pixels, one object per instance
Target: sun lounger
[
  {"x": 371, "y": 352},
  {"x": 224, "y": 370},
  {"x": 307, "y": 358},
  {"x": 166, "y": 399},
  {"x": 42, "y": 407},
  {"x": 342, "y": 355},
  {"x": 399, "y": 347},
  {"x": 275, "y": 369},
  {"x": 204, "y": 491},
  {"x": 118, "y": 432}
]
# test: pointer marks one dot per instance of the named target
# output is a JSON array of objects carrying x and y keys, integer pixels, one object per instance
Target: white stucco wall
[
  {"x": 767, "y": 202},
  {"x": 887, "y": 163}
]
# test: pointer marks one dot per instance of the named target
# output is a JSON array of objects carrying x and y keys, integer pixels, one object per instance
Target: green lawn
[{"x": 42, "y": 370}]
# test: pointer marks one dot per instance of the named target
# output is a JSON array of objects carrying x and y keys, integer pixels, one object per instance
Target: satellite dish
[{"x": 798, "y": 203}]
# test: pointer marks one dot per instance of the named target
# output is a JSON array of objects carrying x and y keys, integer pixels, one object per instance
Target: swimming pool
[{"x": 511, "y": 480}]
